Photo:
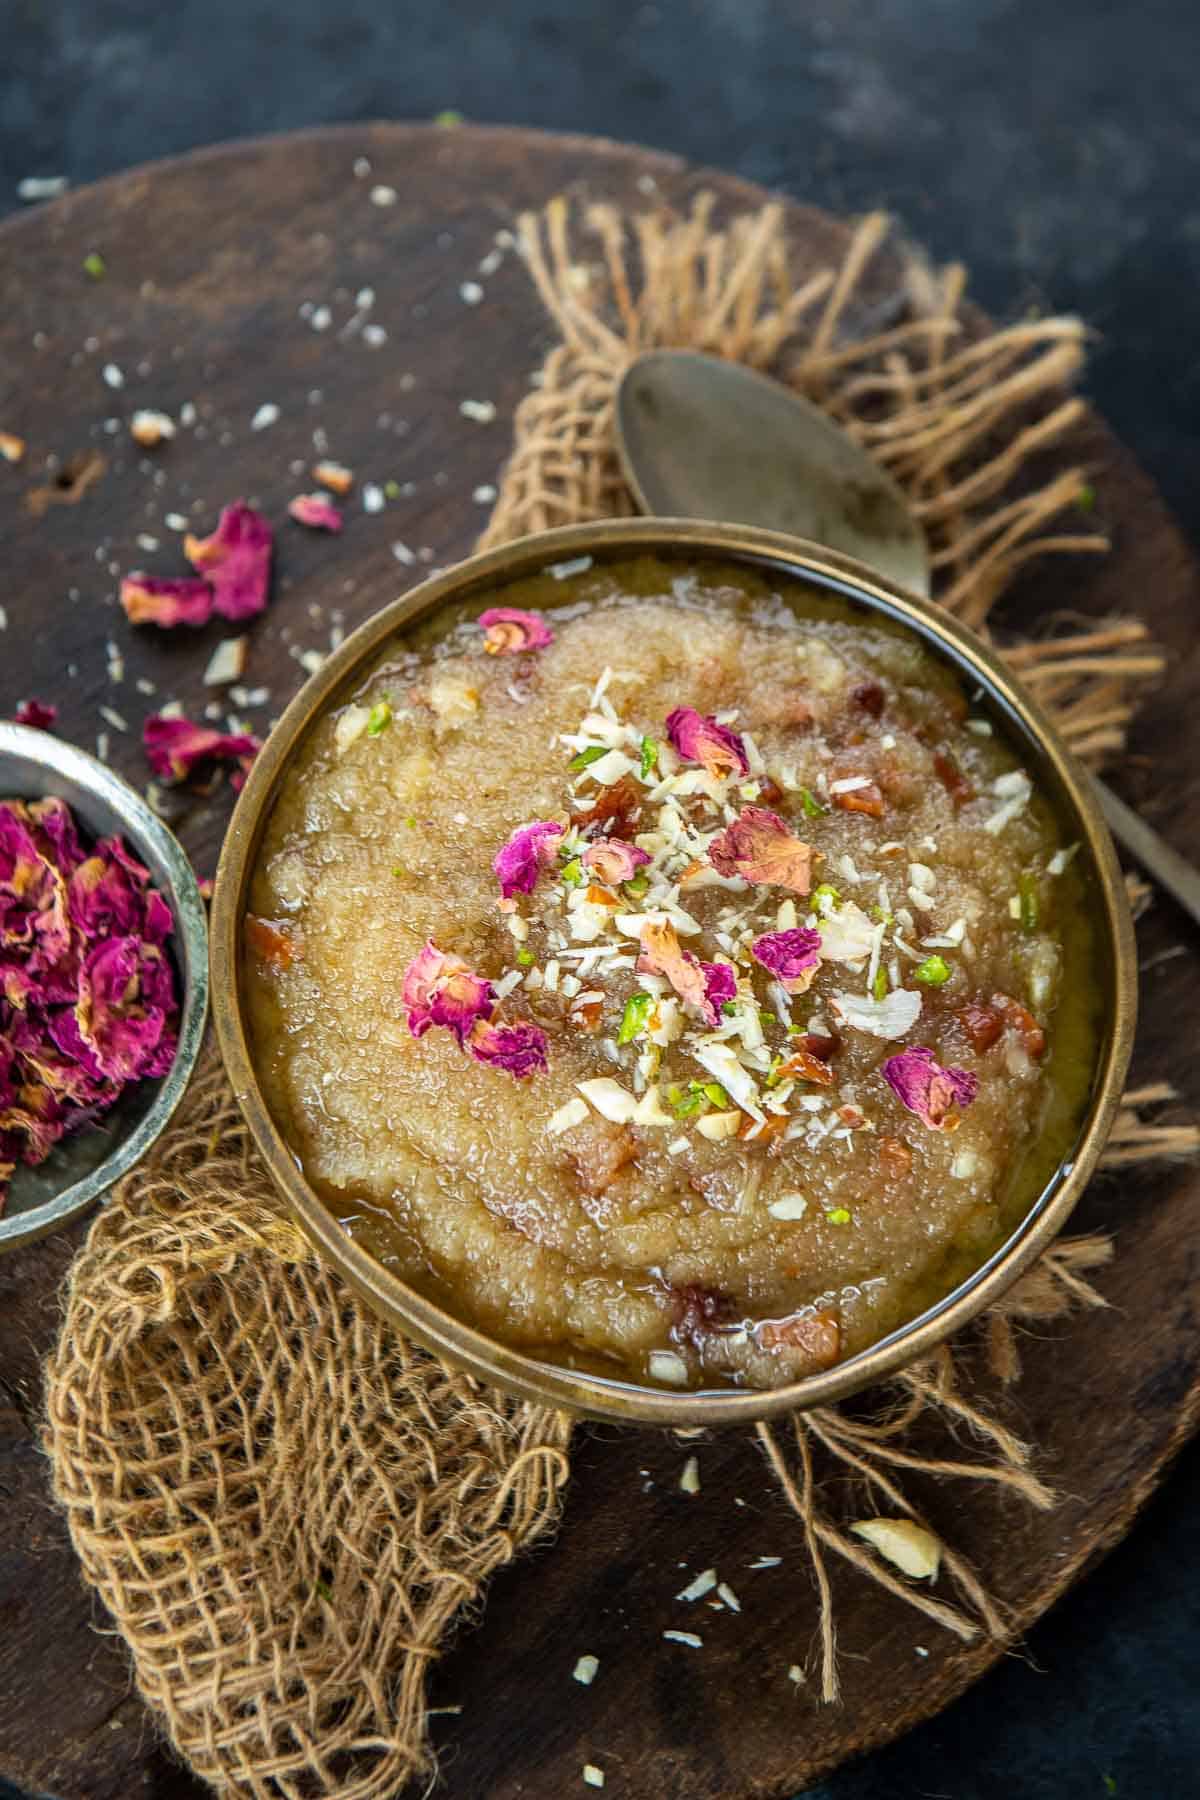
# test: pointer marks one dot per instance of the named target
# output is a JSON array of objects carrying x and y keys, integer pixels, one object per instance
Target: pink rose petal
[
  {"x": 529, "y": 850},
  {"x": 37, "y": 714},
  {"x": 662, "y": 954},
  {"x": 759, "y": 847},
  {"x": 700, "y": 739},
  {"x": 167, "y": 601},
  {"x": 316, "y": 511},
  {"x": 612, "y": 860},
  {"x": 507, "y": 631},
  {"x": 720, "y": 986},
  {"x": 521, "y": 1049},
  {"x": 440, "y": 989},
  {"x": 791, "y": 956},
  {"x": 236, "y": 560},
  {"x": 925, "y": 1088},
  {"x": 177, "y": 747}
]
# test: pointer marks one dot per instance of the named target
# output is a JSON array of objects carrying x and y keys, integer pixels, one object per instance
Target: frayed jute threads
[
  {"x": 284, "y": 1505},
  {"x": 964, "y": 421}
]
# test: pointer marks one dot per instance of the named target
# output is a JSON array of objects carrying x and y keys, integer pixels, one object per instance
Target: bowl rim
[
  {"x": 146, "y": 831},
  {"x": 428, "y": 1323}
]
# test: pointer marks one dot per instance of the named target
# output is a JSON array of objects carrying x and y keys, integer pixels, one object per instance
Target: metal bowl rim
[
  {"x": 40, "y": 750},
  {"x": 438, "y": 1330}
]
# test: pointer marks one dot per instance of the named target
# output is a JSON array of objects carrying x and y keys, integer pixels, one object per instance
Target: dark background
[{"x": 1055, "y": 149}]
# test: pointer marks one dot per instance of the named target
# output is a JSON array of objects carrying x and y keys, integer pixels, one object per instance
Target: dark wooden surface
[{"x": 208, "y": 262}]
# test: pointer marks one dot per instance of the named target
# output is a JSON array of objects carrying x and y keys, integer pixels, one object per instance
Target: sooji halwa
[{"x": 670, "y": 981}]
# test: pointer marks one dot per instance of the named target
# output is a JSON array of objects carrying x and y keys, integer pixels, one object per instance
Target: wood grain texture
[{"x": 208, "y": 262}]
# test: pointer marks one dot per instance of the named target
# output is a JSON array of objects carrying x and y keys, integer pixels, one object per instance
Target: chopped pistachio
[
  {"x": 879, "y": 987},
  {"x": 633, "y": 1020},
  {"x": 1027, "y": 895},
  {"x": 572, "y": 873},
  {"x": 380, "y": 719},
  {"x": 649, "y": 755},
  {"x": 637, "y": 887},
  {"x": 525, "y": 958},
  {"x": 584, "y": 760},
  {"x": 812, "y": 806},
  {"x": 839, "y": 1215},
  {"x": 824, "y": 892},
  {"x": 933, "y": 971},
  {"x": 93, "y": 265}
]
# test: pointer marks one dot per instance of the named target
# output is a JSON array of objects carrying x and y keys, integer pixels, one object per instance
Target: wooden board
[{"x": 209, "y": 261}]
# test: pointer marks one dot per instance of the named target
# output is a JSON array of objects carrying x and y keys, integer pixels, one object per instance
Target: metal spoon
[{"x": 700, "y": 438}]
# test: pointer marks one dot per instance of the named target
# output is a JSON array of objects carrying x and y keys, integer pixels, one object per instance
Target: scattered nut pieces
[
  {"x": 12, "y": 448},
  {"x": 593, "y": 1777},
  {"x": 334, "y": 476},
  {"x": 908, "y": 1546},
  {"x": 227, "y": 662},
  {"x": 149, "y": 428},
  {"x": 689, "y": 1481},
  {"x": 585, "y": 1670}
]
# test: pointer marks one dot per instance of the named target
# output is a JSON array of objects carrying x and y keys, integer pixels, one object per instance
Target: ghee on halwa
[{"x": 768, "y": 1029}]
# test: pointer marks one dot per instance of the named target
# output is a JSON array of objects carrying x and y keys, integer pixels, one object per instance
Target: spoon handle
[{"x": 1168, "y": 868}]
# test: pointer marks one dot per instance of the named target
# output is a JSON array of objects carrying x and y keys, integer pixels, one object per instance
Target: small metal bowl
[
  {"x": 80, "y": 1170},
  {"x": 1027, "y": 727}
]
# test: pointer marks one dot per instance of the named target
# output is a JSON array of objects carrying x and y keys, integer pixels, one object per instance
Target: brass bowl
[{"x": 1026, "y": 725}]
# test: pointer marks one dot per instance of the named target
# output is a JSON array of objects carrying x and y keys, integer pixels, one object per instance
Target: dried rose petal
[
  {"x": 925, "y": 1088},
  {"x": 177, "y": 747},
  {"x": 759, "y": 847},
  {"x": 507, "y": 630},
  {"x": 38, "y": 714},
  {"x": 52, "y": 819},
  {"x": 521, "y": 1049},
  {"x": 118, "y": 1023},
  {"x": 701, "y": 740},
  {"x": 439, "y": 989},
  {"x": 316, "y": 511},
  {"x": 662, "y": 955},
  {"x": 529, "y": 850},
  {"x": 236, "y": 558},
  {"x": 167, "y": 600},
  {"x": 720, "y": 986},
  {"x": 613, "y": 861},
  {"x": 791, "y": 956}
]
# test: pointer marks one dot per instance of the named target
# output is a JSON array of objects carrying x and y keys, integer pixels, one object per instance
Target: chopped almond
[
  {"x": 272, "y": 943},
  {"x": 804, "y": 1066},
  {"x": 599, "y": 896},
  {"x": 585, "y": 1015},
  {"x": 776, "y": 1125}
]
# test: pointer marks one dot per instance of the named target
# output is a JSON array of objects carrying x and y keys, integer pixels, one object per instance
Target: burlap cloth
[{"x": 283, "y": 1504}]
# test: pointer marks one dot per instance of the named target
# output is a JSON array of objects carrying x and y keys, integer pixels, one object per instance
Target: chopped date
[
  {"x": 272, "y": 943},
  {"x": 895, "y": 1158},
  {"x": 867, "y": 800},
  {"x": 599, "y": 1152},
  {"x": 956, "y": 784},
  {"x": 818, "y": 1335},
  {"x": 616, "y": 806},
  {"x": 697, "y": 1311},
  {"x": 824, "y": 1044},
  {"x": 870, "y": 696},
  {"x": 982, "y": 1024},
  {"x": 1020, "y": 1019}
]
